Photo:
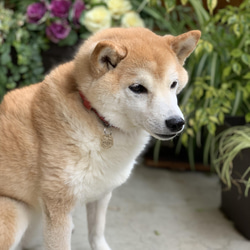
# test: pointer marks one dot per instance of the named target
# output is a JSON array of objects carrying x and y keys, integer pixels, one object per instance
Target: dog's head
[{"x": 132, "y": 77}]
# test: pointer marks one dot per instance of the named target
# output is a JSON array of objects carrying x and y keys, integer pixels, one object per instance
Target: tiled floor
[{"x": 165, "y": 210}]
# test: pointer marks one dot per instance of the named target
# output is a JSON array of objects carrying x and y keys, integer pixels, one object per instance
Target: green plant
[
  {"x": 169, "y": 17},
  {"x": 20, "y": 60},
  {"x": 219, "y": 78},
  {"x": 229, "y": 144}
]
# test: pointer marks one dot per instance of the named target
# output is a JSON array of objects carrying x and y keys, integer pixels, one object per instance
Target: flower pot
[{"x": 234, "y": 204}]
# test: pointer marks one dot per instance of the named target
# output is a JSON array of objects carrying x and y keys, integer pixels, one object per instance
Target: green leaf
[
  {"x": 211, "y": 4},
  {"x": 184, "y": 2},
  {"x": 5, "y": 58},
  {"x": 170, "y": 5},
  {"x": 10, "y": 85},
  {"x": 70, "y": 40},
  {"x": 247, "y": 185},
  {"x": 5, "y": 47},
  {"x": 23, "y": 59},
  {"x": 247, "y": 117},
  {"x": 209, "y": 94},
  {"x": 246, "y": 59},
  {"x": 221, "y": 117},
  {"x": 223, "y": 19},
  {"x": 237, "y": 29},
  {"x": 198, "y": 114},
  {"x": 211, "y": 128},
  {"x": 236, "y": 68},
  {"x": 246, "y": 76},
  {"x": 201, "y": 116},
  {"x": 198, "y": 92},
  {"x": 214, "y": 119},
  {"x": 152, "y": 12},
  {"x": 23, "y": 69},
  {"x": 208, "y": 46},
  {"x": 190, "y": 132},
  {"x": 38, "y": 70},
  {"x": 226, "y": 72},
  {"x": 224, "y": 86},
  {"x": 247, "y": 42},
  {"x": 3, "y": 78},
  {"x": 247, "y": 87},
  {"x": 191, "y": 122},
  {"x": 232, "y": 19},
  {"x": 184, "y": 139},
  {"x": 236, "y": 53},
  {"x": 16, "y": 77},
  {"x": 199, "y": 48},
  {"x": 152, "y": 2}
]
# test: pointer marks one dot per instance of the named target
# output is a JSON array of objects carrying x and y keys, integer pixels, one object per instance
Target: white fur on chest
[{"x": 99, "y": 170}]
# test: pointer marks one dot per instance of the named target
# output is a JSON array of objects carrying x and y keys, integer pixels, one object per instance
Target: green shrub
[
  {"x": 20, "y": 58},
  {"x": 219, "y": 77}
]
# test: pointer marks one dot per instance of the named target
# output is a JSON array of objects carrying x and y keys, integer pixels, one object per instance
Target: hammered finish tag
[{"x": 107, "y": 139}]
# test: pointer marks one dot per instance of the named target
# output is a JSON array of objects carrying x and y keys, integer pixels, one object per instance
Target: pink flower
[
  {"x": 78, "y": 8},
  {"x": 35, "y": 12},
  {"x": 58, "y": 31},
  {"x": 60, "y": 8}
]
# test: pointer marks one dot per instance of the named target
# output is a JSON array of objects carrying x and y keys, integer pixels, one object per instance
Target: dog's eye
[
  {"x": 174, "y": 84},
  {"x": 138, "y": 89}
]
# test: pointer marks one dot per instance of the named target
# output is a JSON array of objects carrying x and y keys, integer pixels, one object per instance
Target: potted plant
[
  {"x": 231, "y": 161},
  {"x": 219, "y": 80}
]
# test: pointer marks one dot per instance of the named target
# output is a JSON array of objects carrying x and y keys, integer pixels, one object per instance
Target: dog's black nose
[{"x": 175, "y": 124}]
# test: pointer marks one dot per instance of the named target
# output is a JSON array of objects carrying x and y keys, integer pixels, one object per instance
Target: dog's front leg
[
  {"x": 57, "y": 228},
  {"x": 96, "y": 213}
]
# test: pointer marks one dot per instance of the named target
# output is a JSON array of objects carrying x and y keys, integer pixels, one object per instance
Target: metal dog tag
[{"x": 107, "y": 139}]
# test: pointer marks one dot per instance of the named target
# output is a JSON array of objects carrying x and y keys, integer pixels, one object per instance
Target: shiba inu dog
[{"x": 76, "y": 135}]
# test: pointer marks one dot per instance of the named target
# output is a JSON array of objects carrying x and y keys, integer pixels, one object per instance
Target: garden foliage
[
  {"x": 20, "y": 52},
  {"x": 219, "y": 77}
]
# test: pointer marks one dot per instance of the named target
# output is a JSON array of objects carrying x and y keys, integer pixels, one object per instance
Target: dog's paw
[{"x": 100, "y": 244}]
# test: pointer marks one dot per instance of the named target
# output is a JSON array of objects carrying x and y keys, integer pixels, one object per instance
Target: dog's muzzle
[{"x": 174, "y": 125}]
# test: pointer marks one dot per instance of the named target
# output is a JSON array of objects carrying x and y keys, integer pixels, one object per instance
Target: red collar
[{"x": 88, "y": 106}]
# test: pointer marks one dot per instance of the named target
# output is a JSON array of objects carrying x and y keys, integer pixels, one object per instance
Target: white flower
[
  {"x": 132, "y": 19},
  {"x": 118, "y": 7},
  {"x": 97, "y": 19}
]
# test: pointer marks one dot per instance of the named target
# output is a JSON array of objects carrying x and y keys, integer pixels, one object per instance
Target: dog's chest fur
[{"x": 100, "y": 170}]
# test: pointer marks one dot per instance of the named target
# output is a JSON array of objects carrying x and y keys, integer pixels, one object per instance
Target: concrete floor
[{"x": 165, "y": 210}]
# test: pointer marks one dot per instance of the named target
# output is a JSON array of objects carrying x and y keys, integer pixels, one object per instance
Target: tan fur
[
  {"x": 13, "y": 222},
  {"x": 7, "y": 223},
  {"x": 50, "y": 154}
]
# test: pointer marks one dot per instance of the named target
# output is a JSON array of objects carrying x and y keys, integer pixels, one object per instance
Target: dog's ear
[
  {"x": 184, "y": 44},
  {"x": 106, "y": 56}
]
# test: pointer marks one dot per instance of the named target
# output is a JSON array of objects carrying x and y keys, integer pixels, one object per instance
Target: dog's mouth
[{"x": 165, "y": 136}]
